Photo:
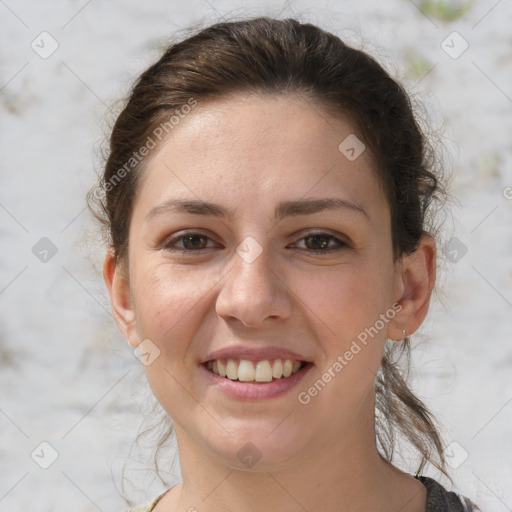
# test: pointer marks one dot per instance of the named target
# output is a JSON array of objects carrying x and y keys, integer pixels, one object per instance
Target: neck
[{"x": 335, "y": 472}]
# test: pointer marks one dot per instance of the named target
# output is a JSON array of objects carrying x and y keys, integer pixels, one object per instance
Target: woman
[{"x": 267, "y": 197}]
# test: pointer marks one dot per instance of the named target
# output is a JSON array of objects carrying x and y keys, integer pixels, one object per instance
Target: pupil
[
  {"x": 192, "y": 238},
  {"x": 319, "y": 237}
]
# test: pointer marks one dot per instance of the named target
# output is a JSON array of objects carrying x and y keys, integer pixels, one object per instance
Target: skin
[{"x": 248, "y": 154}]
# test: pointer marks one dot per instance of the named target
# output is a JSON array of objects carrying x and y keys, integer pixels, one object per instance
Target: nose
[{"x": 253, "y": 292}]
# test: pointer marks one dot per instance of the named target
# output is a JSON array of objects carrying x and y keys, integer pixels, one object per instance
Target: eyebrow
[{"x": 283, "y": 209}]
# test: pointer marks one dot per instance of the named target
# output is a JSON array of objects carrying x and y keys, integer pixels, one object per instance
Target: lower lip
[{"x": 256, "y": 390}]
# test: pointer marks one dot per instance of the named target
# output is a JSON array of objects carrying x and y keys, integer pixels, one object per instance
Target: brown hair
[{"x": 269, "y": 56}]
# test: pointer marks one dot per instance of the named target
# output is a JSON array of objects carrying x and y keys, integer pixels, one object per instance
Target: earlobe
[
  {"x": 416, "y": 279},
  {"x": 118, "y": 286}
]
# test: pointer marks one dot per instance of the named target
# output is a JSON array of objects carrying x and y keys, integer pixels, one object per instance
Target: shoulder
[
  {"x": 148, "y": 506},
  {"x": 441, "y": 500},
  {"x": 145, "y": 507}
]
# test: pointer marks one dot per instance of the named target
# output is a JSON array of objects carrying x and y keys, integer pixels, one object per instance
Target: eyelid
[
  {"x": 179, "y": 236},
  {"x": 339, "y": 239},
  {"x": 326, "y": 232}
]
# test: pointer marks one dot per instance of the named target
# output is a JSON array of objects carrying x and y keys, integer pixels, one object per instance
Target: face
[{"x": 236, "y": 272}]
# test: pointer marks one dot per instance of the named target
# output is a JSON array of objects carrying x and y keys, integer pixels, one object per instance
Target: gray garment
[{"x": 441, "y": 500}]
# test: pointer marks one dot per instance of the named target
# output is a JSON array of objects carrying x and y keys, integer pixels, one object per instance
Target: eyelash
[{"x": 170, "y": 244}]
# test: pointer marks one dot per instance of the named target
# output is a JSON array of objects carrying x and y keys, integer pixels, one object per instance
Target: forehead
[
  {"x": 277, "y": 122},
  {"x": 258, "y": 144}
]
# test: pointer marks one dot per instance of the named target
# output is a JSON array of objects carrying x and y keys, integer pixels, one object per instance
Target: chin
[{"x": 260, "y": 449}]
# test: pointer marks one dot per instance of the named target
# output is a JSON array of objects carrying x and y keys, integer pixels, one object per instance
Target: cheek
[
  {"x": 346, "y": 307},
  {"x": 350, "y": 303},
  {"x": 346, "y": 299},
  {"x": 168, "y": 311},
  {"x": 167, "y": 303}
]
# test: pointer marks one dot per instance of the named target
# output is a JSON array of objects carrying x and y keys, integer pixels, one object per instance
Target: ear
[
  {"x": 118, "y": 286},
  {"x": 415, "y": 279}
]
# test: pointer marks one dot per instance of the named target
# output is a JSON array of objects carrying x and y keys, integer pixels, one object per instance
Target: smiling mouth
[{"x": 254, "y": 371}]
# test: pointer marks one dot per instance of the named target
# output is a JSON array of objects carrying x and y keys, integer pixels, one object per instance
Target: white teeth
[
  {"x": 232, "y": 370},
  {"x": 287, "y": 368},
  {"x": 221, "y": 367},
  {"x": 246, "y": 371},
  {"x": 263, "y": 371},
  {"x": 249, "y": 371},
  {"x": 277, "y": 370}
]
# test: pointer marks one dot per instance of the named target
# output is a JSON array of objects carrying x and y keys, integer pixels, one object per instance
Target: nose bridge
[
  {"x": 251, "y": 265},
  {"x": 252, "y": 291}
]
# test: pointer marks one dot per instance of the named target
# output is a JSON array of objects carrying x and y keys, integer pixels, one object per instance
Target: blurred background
[{"x": 73, "y": 396}]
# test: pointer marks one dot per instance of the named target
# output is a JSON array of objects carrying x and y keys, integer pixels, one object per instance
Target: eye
[
  {"x": 318, "y": 243},
  {"x": 195, "y": 242},
  {"x": 192, "y": 242}
]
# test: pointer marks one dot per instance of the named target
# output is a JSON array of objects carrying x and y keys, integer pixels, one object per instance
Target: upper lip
[{"x": 254, "y": 354}]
